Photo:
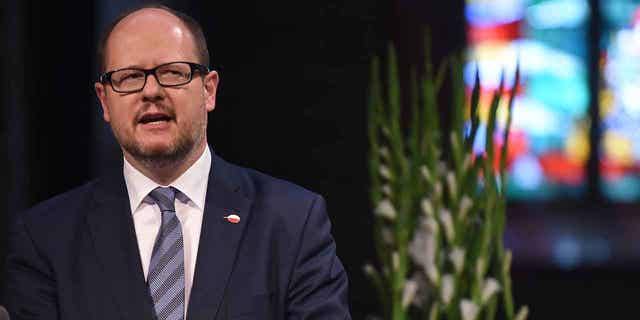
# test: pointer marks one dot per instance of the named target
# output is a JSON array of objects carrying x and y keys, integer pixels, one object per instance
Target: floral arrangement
[{"x": 439, "y": 207}]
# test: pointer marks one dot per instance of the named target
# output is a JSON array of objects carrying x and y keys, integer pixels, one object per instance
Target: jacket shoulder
[
  {"x": 59, "y": 207},
  {"x": 266, "y": 187}
]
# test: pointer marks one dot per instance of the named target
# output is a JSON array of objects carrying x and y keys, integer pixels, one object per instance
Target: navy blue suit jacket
[{"x": 76, "y": 256}]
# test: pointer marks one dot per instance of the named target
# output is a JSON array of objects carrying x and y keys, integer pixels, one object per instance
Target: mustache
[{"x": 161, "y": 108}]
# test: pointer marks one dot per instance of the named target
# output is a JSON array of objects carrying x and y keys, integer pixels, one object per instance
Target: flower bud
[
  {"x": 409, "y": 292},
  {"x": 369, "y": 270},
  {"x": 386, "y": 210},
  {"x": 506, "y": 264},
  {"x": 489, "y": 288},
  {"x": 433, "y": 274},
  {"x": 447, "y": 289},
  {"x": 438, "y": 190},
  {"x": 452, "y": 184},
  {"x": 457, "y": 257},
  {"x": 385, "y": 172},
  {"x": 425, "y": 173},
  {"x": 447, "y": 222},
  {"x": 469, "y": 309},
  {"x": 523, "y": 313},
  {"x": 395, "y": 261},
  {"x": 427, "y": 207},
  {"x": 465, "y": 205},
  {"x": 384, "y": 153},
  {"x": 432, "y": 225},
  {"x": 386, "y": 190}
]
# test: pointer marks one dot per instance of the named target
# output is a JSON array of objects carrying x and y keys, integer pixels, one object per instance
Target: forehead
[{"x": 149, "y": 37}]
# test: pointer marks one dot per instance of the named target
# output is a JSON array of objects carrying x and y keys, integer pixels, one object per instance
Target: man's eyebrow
[{"x": 134, "y": 66}]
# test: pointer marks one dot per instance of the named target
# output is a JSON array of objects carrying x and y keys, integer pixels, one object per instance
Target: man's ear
[
  {"x": 210, "y": 88},
  {"x": 102, "y": 96}
]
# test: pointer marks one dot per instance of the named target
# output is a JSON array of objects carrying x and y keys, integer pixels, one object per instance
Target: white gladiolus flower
[
  {"x": 469, "y": 309},
  {"x": 384, "y": 152},
  {"x": 522, "y": 314},
  {"x": 422, "y": 247},
  {"x": 385, "y": 172},
  {"x": 465, "y": 205},
  {"x": 448, "y": 287},
  {"x": 490, "y": 287},
  {"x": 433, "y": 274},
  {"x": 427, "y": 207},
  {"x": 447, "y": 222},
  {"x": 385, "y": 209},
  {"x": 395, "y": 260},
  {"x": 452, "y": 184},
  {"x": 409, "y": 292},
  {"x": 457, "y": 255},
  {"x": 386, "y": 190}
]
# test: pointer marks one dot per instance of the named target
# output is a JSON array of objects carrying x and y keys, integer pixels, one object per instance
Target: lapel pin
[{"x": 233, "y": 218}]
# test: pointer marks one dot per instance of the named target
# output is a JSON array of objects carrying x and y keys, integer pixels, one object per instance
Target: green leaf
[
  {"x": 507, "y": 130},
  {"x": 475, "y": 117},
  {"x": 395, "y": 127},
  {"x": 435, "y": 311},
  {"x": 374, "y": 110},
  {"x": 491, "y": 122},
  {"x": 458, "y": 96},
  {"x": 379, "y": 286}
]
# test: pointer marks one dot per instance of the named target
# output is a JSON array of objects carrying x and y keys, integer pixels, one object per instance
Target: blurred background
[{"x": 292, "y": 103}]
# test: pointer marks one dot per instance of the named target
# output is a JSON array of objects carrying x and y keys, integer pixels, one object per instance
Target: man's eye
[
  {"x": 172, "y": 73},
  {"x": 131, "y": 76}
]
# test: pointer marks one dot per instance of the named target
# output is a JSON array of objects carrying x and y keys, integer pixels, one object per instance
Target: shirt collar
[{"x": 192, "y": 183}]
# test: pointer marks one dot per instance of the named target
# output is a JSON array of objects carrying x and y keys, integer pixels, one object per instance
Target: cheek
[
  {"x": 195, "y": 110},
  {"x": 121, "y": 116}
]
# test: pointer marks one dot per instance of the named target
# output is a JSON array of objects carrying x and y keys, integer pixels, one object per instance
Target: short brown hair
[{"x": 192, "y": 25}]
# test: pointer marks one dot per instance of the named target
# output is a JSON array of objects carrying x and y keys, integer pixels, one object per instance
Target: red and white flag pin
[{"x": 233, "y": 218}]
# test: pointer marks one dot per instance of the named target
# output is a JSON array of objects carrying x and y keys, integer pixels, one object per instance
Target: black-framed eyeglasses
[{"x": 172, "y": 74}]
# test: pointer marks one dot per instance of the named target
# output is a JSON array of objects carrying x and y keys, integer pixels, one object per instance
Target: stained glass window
[
  {"x": 620, "y": 100},
  {"x": 549, "y": 144}
]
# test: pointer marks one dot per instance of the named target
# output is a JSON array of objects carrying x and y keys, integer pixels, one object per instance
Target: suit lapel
[
  {"x": 228, "y": 192},
  {"x": 111, "y": 227}
]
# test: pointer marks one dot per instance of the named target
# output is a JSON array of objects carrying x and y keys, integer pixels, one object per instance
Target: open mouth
[{"x": 154, "y": 118}]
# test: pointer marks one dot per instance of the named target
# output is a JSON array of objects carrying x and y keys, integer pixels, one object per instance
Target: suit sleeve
[
  {"x": 319, "y": 284},
  {"x": 30, "y": 285}
]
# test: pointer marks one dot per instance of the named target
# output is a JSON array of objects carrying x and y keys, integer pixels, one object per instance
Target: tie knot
[{"x": 164, "y": 197}]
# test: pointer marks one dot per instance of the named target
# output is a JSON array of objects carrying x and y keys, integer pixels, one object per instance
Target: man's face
[{"x": 157, "y": 123}]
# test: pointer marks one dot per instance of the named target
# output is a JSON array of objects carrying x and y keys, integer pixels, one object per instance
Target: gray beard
[
  {"x": 162, "y": 159},
  {"x": 184, "y": 145}
]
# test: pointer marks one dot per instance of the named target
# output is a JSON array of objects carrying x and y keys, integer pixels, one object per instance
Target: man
[{"x": 178, "y": 233}]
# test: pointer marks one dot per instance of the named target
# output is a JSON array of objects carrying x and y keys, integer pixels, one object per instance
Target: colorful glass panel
[
  {"x": 548, "y": 147},
  {"x": 620, "y": 100}
]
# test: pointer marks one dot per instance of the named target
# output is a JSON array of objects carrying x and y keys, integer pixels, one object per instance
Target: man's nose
[{"x": 152, "y": 87}]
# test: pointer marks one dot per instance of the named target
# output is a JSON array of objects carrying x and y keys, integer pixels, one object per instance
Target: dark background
[{"x": 292, "y": 103}]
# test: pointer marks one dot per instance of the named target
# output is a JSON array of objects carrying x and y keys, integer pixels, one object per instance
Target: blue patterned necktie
[{"x": 166, "y": 270}]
